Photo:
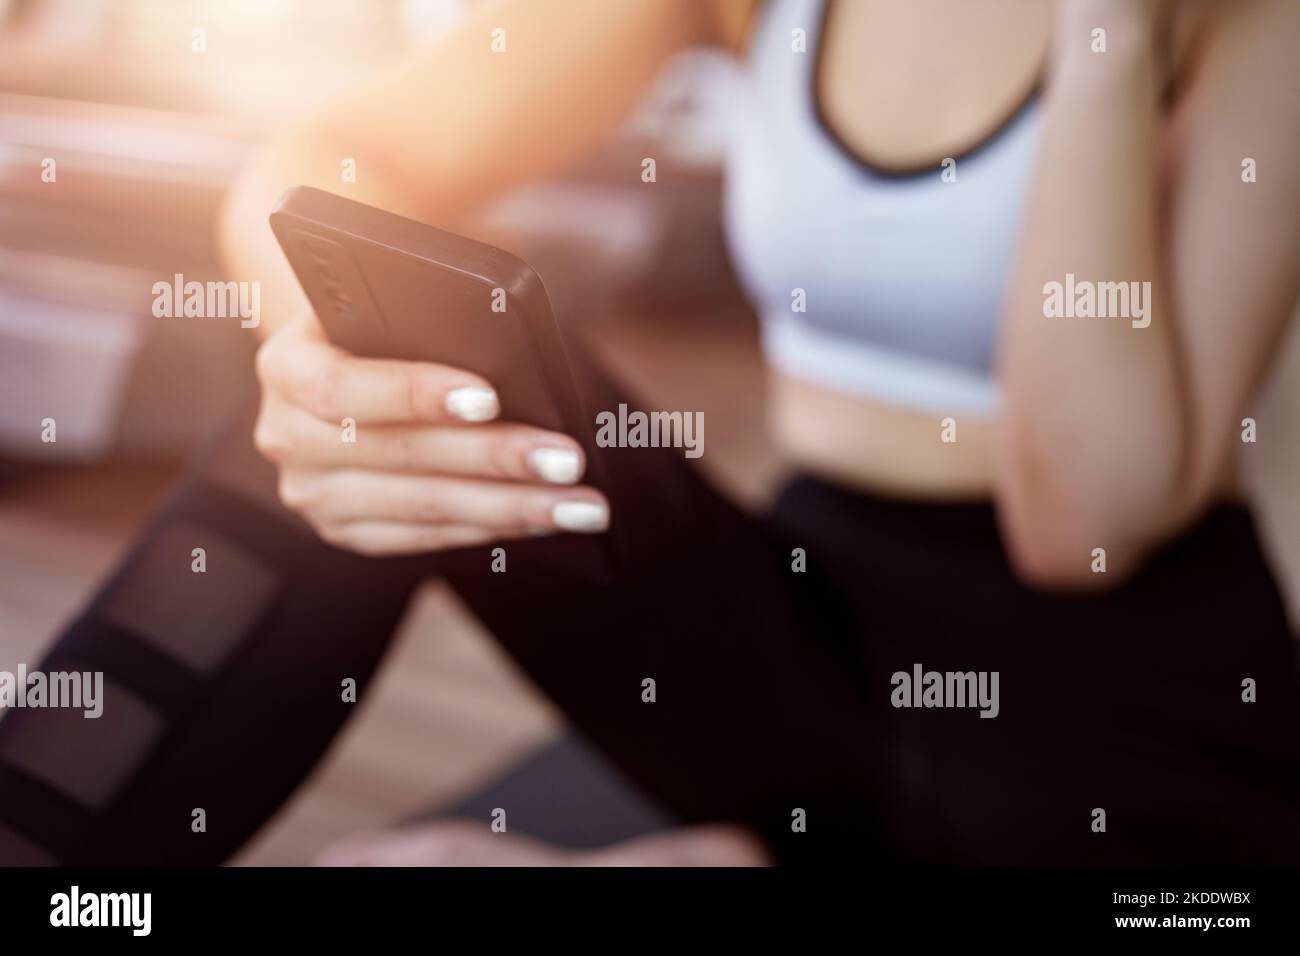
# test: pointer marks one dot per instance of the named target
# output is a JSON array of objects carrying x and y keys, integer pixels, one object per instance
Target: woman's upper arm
[{"x": 1234, "y": 254}]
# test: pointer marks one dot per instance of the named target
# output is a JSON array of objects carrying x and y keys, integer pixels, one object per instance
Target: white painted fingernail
[
  {"x": 580, "y": 516},
  {"x": 472, "y": 404},
  {"x": 559, "y": 466}
]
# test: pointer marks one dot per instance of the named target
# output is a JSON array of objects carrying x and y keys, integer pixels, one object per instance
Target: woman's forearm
[{"x": 1093, "y": 439}]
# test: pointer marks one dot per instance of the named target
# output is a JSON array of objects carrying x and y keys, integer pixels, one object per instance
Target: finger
[
  {"x": 333, "y": 385},
  {"x": 387, "y": 538},
  {"x": 342, "y": 496},
  {"x": 288, "y": 434}
]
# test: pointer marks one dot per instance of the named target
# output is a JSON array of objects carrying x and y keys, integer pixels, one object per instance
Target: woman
[{"x": 992, "y": 486}]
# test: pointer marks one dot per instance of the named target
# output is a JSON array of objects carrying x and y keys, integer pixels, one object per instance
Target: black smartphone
[{"x": 384, "y": 286}]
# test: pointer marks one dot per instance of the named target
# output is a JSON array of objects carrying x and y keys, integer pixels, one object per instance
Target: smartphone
[{"x": 384, "y": 286}]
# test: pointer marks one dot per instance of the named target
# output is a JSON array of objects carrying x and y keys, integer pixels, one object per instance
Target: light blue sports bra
[{"x": 881, "y": 285}]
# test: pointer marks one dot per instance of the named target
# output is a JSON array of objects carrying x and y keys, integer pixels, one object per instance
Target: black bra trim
[{"x": 915, "y": 170}]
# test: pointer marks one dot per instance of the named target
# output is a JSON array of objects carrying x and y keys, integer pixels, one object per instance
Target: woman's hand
[{"x": 425, "y": 467}]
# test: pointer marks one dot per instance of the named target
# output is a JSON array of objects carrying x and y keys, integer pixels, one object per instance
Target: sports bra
[{"x": 878, "y": 284}]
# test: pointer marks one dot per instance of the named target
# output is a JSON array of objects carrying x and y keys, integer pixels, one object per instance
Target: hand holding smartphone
[{"x": 446, "y": 356}]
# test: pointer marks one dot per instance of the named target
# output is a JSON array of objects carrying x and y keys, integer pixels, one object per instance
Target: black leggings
[{"x": 772, "y": 686}]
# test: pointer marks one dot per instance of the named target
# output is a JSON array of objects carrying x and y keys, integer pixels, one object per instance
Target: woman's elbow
[
  {"x": 1077, "y": 526},
  {"x": 1066, "y": 555}
]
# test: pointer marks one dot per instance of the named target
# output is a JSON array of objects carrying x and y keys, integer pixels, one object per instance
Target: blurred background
[{"x": 146, "y": 133}]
